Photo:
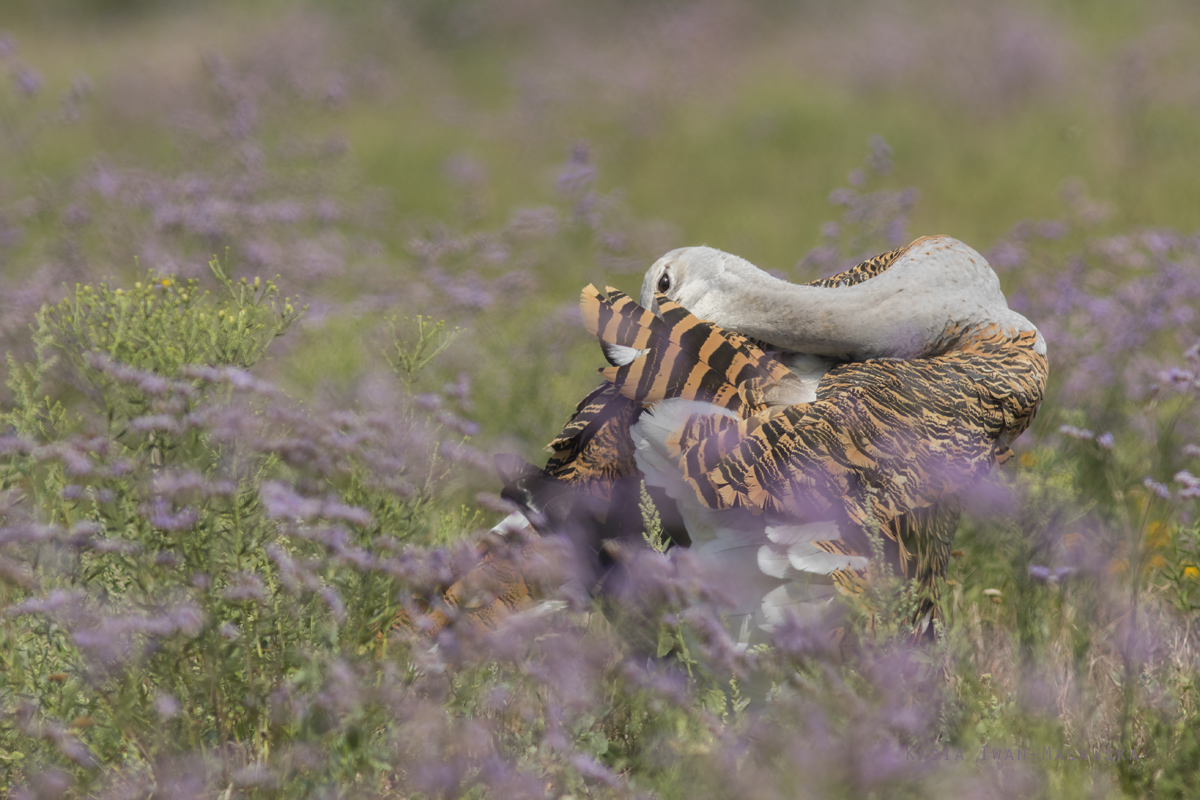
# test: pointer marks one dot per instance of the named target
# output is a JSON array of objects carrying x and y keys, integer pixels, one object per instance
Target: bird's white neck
[{"x": 940, "y": 286}]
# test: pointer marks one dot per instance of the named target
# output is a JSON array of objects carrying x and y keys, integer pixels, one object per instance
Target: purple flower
[
  {"x": 1007, "y": 255},
  {"x": 255, "y": 775},
  {"x": 54, "y": 604},
  {"x": 532, "y": 223},
  {"x": 1047, "y": 575},
  {"x": 1191, "y": 484},
  {"x": 334, "y": 601},
  {"x": 880, "y": 160},
  {"x": 1040, "y": 573},
  {"x": 155, "y": 422},
  {"x": 460, "y": 391},
  {"x": 281, "y": 501},
  {"x": 179, "y": 483},
  {"x": 1052, "y": 229},
  {"x": 28, "y": 81},
  {"x": 429, "y": 402},
  {"x": 27, "y": 533},
  {"x": 1178, "y": 379},
  {"x": 1159, "y": 489},
  {"x": 113, "y": 545},
  {"x": 166, "y": 705},
  {"x": 577, "y": 174},
  {"x": 245, "y": 587},
  {"x": 158, "y": 512},
  {"x": 1072, "y": 432},
  {"x": 10, "y": 444},
  {"x": 843, "y": 197},
  {"x": 465, "y": 171}
]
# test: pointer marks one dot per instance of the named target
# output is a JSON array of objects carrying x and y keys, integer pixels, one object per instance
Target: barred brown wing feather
[
  {"x": 588, "y": 413},
  {"x": 679, "y": 355},
  {"x": 595, "y": 449},
  {"x": 489, "y": 593},
  {"x": 868, "y": 269},
  {"x": 895, "y": 435},
  {"x": 864, "y": 271}
]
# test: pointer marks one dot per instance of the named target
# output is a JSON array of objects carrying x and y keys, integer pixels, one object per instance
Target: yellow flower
[
  {"x": 1191, "y": 572},
  {"x": 1157, "y": 534}
]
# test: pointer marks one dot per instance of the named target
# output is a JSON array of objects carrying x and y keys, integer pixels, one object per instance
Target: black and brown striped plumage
[
  {"x": 899, "y": 434},
  {"x": 865, "y": 271},
  {"x": 684, "y": 356},
  {"x": 594, "y": 449},
  {"x": 492, "y": 590}
]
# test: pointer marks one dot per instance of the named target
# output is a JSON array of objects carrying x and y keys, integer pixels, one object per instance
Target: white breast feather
[{"x": 763, "y": 565}]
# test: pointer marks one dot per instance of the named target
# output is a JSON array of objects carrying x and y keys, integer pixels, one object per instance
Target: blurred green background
[{"x": 733, "y": 125}]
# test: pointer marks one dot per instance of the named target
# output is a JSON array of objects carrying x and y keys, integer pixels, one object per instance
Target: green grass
[{"x": 743, "y": 158}]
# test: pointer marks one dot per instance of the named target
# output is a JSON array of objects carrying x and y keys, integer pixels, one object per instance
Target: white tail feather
[
  {"x": 802, "y": 532},
  {"x": 807, "y": 558}
]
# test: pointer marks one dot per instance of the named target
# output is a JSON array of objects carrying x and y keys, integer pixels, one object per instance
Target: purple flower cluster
[
  {"x": 281, "y": 501},
  {"x": 1047, "y": 575},
  {"x": 872, "y": 221}
]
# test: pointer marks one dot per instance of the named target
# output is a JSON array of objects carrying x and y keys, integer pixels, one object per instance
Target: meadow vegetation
[{"x": 277, "y": 279}]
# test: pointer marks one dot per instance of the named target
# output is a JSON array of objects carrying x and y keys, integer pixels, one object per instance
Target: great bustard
[{"x": 909, "y": 377}]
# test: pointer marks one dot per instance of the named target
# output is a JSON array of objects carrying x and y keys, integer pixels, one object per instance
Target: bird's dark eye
[{"x": 664, "y": 282}]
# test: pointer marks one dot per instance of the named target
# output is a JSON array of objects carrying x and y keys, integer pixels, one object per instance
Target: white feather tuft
[
  {"x": 650, "y": 434},
  {"x": 809, "y": 558},
  {"x": 803, "y": 532},
  {"x": 619, "y": 355}
]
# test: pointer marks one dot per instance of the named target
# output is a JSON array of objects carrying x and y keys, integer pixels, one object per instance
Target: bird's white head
[{"x": 701, "y": 279}]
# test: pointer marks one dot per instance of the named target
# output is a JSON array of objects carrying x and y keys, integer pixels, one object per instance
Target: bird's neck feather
[{"x": 906, "y": 311}]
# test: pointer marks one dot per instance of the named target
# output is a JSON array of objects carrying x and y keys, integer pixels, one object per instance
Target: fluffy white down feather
[{"x": 765, "y": 566}]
